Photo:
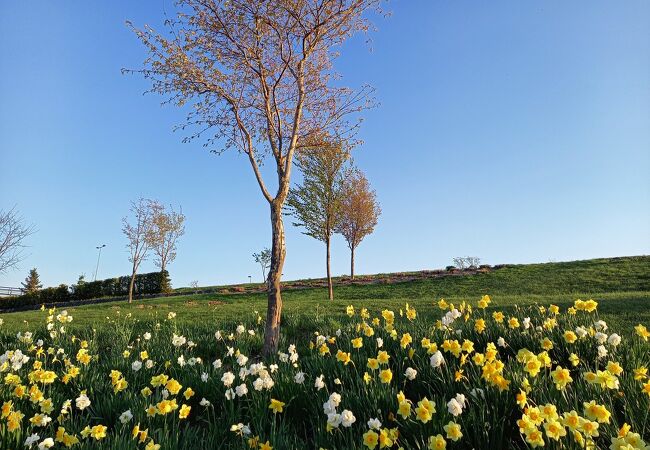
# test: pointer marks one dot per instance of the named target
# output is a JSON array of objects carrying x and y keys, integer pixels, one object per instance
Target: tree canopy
[{"x": 360, "y": 212}]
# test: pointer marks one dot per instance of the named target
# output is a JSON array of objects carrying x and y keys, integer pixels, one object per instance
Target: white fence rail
[{"x": 6, "y": 291}]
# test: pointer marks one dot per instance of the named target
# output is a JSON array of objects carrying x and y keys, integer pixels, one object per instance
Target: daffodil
[
  {"x": 554, "y": 430},
  {"x": 437, "y": 442},
  {"x": 276, "y": 406},
  {"x": 98, "y": 432},
  {"x": 425, "y": 410},
  {"x": 173, "y": 386},
  {"x": 151, "y": 445},
  {"x": 453, "y": 431},
  {"x": 561, "y": 377},
  {"x": 642, "y": 332},
  {"x": 343, "y": 357},
  {"x": 386, "y": 376},
  {"x": 370, "y": 439},
  {"x": 596, "y": 412},
  {"x": 404, "y": 409},
  {"x": 184, "y": 412}
]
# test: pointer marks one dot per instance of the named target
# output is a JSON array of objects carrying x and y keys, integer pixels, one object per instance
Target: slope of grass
[
  {"x": 589, "y": 276},
  {"x": 629, "y": 273},
  {"x": 116, "y": 333},
  {"x": 622, "y": 285}
]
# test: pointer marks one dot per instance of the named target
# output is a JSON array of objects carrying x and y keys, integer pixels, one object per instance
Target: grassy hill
[
  {"x": 588, "y": 276},
  {"x": 629, "y": 273},
  {"x": 621, "y": 285}
]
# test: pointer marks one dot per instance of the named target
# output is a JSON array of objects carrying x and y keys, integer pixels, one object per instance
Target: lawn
[
  {"x": 621, "y": 285},
  {"x": 184, "y": 372}
]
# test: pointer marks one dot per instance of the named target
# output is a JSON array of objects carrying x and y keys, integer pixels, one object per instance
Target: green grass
[
  {"x": 621, "y": 285},
  {"x": 631, "y": 273}
]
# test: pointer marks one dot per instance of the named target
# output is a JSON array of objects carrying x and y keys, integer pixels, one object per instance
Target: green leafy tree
[
  {"x": 316, "y": 203},
  {"x": 32, "y": 283}
]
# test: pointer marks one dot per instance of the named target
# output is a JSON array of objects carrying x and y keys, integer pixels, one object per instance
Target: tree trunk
[
  {"x": 274, "y": 308},
  {"x": 330, "y": 290},
  {"x": 352, "y": 264},
  {"x": 131, "y": 284}
]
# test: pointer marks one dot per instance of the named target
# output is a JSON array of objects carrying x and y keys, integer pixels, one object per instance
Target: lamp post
[
  {"x": 100, "y": 247},
  {"x": 250, "y": 279}
]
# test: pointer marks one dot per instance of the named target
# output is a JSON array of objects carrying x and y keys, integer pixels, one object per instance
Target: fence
[{"x": 6, "y": 291}]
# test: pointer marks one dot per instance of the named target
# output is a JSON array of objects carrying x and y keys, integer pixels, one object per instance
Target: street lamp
[
  {"x": 100, "y": 247},
  {"x": 249, "y": 279}
]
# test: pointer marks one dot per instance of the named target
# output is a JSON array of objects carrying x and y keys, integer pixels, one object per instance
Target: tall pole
[{"x": 100, "y": 247}]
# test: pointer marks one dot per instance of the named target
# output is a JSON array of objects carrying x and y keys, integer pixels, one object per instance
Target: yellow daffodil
[{"x": 276, "y": 406}]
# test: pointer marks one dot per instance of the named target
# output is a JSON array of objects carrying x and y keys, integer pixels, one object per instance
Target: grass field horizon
[{"x": 621, "y": 284}]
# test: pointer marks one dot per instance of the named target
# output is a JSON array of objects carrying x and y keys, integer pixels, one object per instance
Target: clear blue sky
[{"x": 513, "y": 131}]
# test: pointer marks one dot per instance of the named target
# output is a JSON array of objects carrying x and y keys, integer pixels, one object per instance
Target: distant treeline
[{"x": 145, "y": 283}]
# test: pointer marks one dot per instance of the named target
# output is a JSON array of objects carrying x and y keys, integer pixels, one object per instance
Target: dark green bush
[{"x": 145, "y": 284}]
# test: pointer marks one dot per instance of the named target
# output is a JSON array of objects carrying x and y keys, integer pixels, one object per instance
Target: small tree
[
  {"x": 316, "y": 204},
  {"x": 467, "y": 262},
  {"x": 167, "y": 227},
  {"x": 263, "y": 258},
  {"x": 260, "y": 78},
  {"x": 139, "y": 234},
  {"x": 459, "y": 262},
  {"x": 360, "y": 212},
  {"x": 32, "y": 283},
  {"x": 473, "y": 261},
  {"x": 13, "y": 232}
]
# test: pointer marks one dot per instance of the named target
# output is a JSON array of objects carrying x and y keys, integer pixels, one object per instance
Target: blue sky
[{"x": 513, "y": 131}]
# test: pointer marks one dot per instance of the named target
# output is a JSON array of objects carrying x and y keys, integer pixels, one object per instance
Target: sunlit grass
[{"x": 337, "y": 341}]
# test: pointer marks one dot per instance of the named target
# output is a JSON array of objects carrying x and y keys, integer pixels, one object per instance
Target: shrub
[{"x": 145, "y": 284}]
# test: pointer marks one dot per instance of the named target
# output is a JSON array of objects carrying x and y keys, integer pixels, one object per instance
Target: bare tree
[
  {"x": 263, "y": 258},
  {"x": 459, "y": 262},
  {"x": 360, "y": 212},
  {"x": 316, "y": 203},
  {"x": 139, "y": 234},
  {"x": 260, "y": 78},
  {"x": 13, "y": 233},
  {"x": 168, "y": 226},
  {"x": 473, "y": 261},
  {"x": 466, "y": 262}
]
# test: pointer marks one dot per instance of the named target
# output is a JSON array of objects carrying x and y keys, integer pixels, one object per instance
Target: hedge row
[{"x": 145, "y": 283}]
